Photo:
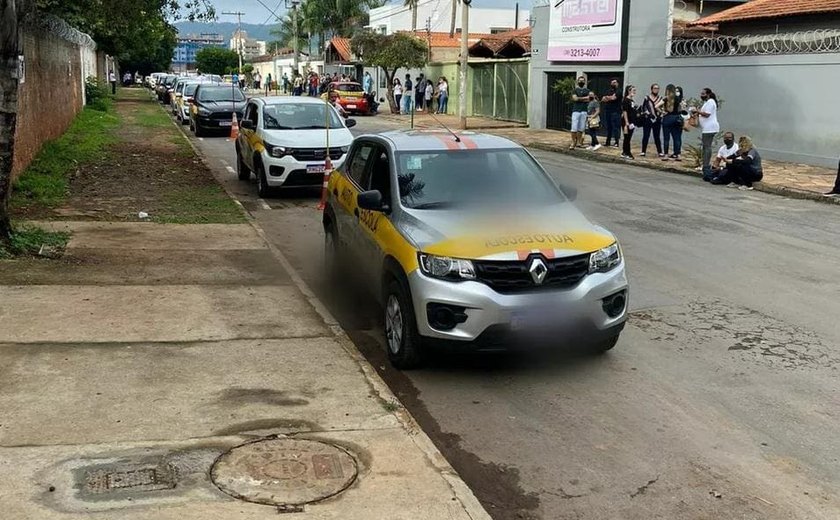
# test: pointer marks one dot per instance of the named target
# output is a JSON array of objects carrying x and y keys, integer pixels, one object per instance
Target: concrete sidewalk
[{"x": 132, "y": 364}]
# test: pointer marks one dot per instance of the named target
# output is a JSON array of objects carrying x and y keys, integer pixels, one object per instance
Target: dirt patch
[{"x": 151, "y": 169}]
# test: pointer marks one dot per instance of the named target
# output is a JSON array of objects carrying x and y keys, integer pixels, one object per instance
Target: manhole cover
[{"x": 284, "y": 472}]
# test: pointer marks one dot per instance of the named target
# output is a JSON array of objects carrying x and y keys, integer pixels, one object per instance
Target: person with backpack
[{"x": 628, "y": 120}]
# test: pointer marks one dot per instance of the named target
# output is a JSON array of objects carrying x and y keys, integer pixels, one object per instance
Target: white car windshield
[{"x": 289, "y": 116}]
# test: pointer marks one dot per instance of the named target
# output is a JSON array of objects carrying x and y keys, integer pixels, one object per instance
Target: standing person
[
  {"x": 611, "y": 108},
  {"x": 367, "y": 83},
  {"x": 298, "y": 85},
  {"x": 580, "y": 102},
  {"x": 835, "y": 191},
  {"x": 593, "y": 121},
  {"x": 285, "y": 81},
  {"x": 709, "y": 127},
  {"x": 628, "y": 119},
  {"x": 112, "y": 79},
  {"x": 408, "y": 93},
  {"x": 398, "y": 93},
  {"x": 672, "y": 123},
  {"x": 652, "y": 122},
  {"x": 268, "y": 84},
  {"x": 443, "y": 96},
  {"x": 420, "y": 94},
  {"x": 427, "y": 96}
]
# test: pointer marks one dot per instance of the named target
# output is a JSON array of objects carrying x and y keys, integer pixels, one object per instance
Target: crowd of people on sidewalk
[
  {"x": 663, "y": 117},
  {"x": 421, "y": 95}
]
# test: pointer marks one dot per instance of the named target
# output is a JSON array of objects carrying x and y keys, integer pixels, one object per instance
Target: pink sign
[
  {"x": 606, "y": 52},
  {"x": 589, "y": 12}
]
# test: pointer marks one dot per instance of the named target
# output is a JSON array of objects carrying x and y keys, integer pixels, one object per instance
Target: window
[
  {"x": 252, "y": 114},
  {"x": 429, "y": 180},
  {"x": 358, "y": 163},
  {"x": 380, "y": 175},
  {"x": 219, "y": 94},
  {"x": 304, "y": 116}
]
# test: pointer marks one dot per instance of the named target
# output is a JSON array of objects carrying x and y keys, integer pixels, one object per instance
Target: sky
[{"x": 257, "y": 13}]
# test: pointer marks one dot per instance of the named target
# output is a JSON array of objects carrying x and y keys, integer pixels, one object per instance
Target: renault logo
[{"x": 538, "y": 270}]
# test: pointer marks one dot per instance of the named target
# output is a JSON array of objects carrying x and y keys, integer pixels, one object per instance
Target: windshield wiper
[
  {"x": 279, "y": 127},
  {"x": 434, "y": 205},
  {"x": 311, "y": 127}
]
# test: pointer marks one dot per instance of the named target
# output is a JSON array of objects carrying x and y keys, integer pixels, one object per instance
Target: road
[{"x": 722, "y": 399}]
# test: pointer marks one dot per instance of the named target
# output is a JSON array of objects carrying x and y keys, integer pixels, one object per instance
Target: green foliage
[
  {"x": 335, "y": 17},
  {"x": 565, "y": 87},
  {"x": 216, "y": 60},
  {"x": 199, "y": 205},
  {"x": 96, "y": 95},
  {"x": 32, "y": 241},
  {"x": 390, "y": 51},
  {"x": 45, "y": 180}
]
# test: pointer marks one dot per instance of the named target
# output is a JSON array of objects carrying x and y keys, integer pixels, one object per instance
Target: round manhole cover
[{"x": 284, "y": 471}]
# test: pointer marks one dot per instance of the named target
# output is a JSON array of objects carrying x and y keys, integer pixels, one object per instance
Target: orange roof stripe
[
  {"x": 442, "y": 39},
  {"x": 763, "y": 9}
]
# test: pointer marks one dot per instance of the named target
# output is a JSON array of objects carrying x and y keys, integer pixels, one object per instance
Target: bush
[{"x": 96, "y": 94}]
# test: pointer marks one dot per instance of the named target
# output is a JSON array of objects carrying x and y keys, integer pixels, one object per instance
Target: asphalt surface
[{"x": 721, "y": 400}]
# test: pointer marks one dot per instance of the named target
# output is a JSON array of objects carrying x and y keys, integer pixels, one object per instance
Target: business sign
[{"x": 586, "y": 30}]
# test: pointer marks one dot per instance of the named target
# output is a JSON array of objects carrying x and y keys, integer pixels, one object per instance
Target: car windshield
[
  {"x": 219, "y": 94},
  {"x": 349, "y": 87},
  {"x": 189, "y": 89},
  {"x": 440, "y": 179},
  {"x": 292, "y": 116}
]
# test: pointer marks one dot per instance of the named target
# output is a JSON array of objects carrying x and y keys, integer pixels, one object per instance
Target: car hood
[
  {"x": 312, "y": 138},
  {"x": 223, "y": 106},
  {"x": 556, "y": 230}
]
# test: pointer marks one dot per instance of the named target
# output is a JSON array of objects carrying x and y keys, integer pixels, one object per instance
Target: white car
[{"x": 283, "y": 141}]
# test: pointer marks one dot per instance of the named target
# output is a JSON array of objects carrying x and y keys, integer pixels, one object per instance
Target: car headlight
[
  {"x": 277, "y": 151},
  {"x": 344, "y": 149},
  {"x": 203, "y": 111},
  {"x": 446, "y": 268},
  {"x": 605, "y": 259}
]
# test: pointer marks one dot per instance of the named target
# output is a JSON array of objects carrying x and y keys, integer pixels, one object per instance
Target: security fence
[
  {"x": 500, "y": 89},
  {"x": 801, "y": 42}
]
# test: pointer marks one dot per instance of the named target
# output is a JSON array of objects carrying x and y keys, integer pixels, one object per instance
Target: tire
[
  {"x": 602, "y": 346},
  {"x": 404, "y": 344},
  {"x": 263, "y": 189},
  {"x": 332, "y": 254},
  {"x": 242, "y": 171},
  {"x": 198, "y": 131}
]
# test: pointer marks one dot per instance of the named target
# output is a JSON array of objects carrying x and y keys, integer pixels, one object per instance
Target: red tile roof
[
  {"x": 437, "y": 40},
  {"x": 342, "y": 48},
  {"x": 763, "y": 9},
  {"x": 497, "y": 42}
]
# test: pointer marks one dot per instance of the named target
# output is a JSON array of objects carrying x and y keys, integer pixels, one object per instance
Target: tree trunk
[
  {"x": 452, "y": 18},
  {"x": 9, "y": 50}
]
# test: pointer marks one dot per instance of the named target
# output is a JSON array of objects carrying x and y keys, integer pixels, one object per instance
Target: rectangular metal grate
[{"x": 140, "y": 479}]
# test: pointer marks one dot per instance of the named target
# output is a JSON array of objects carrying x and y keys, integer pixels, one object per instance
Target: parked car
[
  {"x": 466, "y": 240},
  {"x": 164, "y": 88},
  {"x": 185, "y": 98},
  {"x": 283, "y": 141},
  {"x": 213, "y": 106},
  {"x": 351, "y": 97}
]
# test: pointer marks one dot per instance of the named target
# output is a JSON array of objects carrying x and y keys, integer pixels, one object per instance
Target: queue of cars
[{"x": 463, "y": 239}]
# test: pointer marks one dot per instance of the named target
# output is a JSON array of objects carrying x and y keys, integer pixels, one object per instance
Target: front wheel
[
  {"x": 263, "y": 189},
  {"x": 405, "y": 349},
  {"x": 242, "y": 171},
  {"x": 197, "y": 129}
]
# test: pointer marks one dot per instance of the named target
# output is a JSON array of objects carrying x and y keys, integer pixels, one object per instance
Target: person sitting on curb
[
  {"x": 726, "y": 153},
  {"x": 835, "y": 191},
  {"x": 745, "y": 168}
]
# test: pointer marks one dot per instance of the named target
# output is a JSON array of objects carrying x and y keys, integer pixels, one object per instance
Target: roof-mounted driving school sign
[{"x": 587, "y": 30}]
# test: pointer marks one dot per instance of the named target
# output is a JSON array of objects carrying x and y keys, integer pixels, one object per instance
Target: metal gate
[{"x": 500, "y": 90}]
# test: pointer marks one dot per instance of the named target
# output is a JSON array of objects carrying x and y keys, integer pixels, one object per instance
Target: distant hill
[{"x": 226, "y": 29}]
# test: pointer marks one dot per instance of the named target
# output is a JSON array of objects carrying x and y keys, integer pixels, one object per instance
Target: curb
[
  {"x": 472, "y": 507},
  {"x": 784, "y": 191}
]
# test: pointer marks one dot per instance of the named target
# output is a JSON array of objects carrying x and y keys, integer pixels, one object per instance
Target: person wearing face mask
[
  {"x": 628, "y": 120},
  {"x": 672, "y": 122},
  {"x": 580, "y": 99},
  {"x": 723, "y": 159},
  {"x": 709, "y": 127},
  {"x": 611, "y": 105}
]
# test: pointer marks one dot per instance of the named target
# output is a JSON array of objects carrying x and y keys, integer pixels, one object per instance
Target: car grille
[
  {"x": 225, "y": 116},
  {"x": 512, "y": 276},
  {"x": 316, "y": 154}
]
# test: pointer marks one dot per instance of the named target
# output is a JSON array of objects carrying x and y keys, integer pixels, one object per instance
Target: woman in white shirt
[
  {"x": 398, "y": 91},
  {"x": 709, "y": 126},
  {"x": 443, "y": 95}
]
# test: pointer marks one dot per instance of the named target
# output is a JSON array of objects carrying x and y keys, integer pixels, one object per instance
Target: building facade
[
  {"x": 777, "y": 92},
  {"x": 435, "y": 16},
  {"x": 183, "y": 57},
  {"x": 248, "y": 47}
]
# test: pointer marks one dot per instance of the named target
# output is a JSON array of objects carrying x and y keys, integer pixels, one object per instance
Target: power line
[{"x": 273, "y": 13}]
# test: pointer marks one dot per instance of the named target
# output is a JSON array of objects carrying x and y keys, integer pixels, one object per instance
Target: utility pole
[
  {"x": 238, "y": 15},
  {"x": 465, "y": 49},
  {"x": 293, "y": 5}
]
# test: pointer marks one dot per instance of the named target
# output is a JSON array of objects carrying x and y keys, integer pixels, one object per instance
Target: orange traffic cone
[
  {"x": 327, "y": 169},
  {"x": 234, "y": 128}
]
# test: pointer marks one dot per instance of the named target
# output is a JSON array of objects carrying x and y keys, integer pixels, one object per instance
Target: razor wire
[
  {"x": 58, "y": 27},
  {"x": 801, "y": 42}
]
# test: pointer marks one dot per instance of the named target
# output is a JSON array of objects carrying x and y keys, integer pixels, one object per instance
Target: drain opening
[{"x": 106, "y": 480}]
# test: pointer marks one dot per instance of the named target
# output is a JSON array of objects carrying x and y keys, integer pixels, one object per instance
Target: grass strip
[{"x": 34, "y": 241}]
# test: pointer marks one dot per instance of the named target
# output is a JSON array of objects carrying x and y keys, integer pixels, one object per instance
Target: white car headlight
[
  {"x": 605, "y": 259},
  {"x": 277, "y": 151},
  {"x": 446, "y": 268}
]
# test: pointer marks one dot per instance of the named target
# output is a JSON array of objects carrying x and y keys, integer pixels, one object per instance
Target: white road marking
[
  {"x": 264, "y": 205},
  {"x": 200, "y": 138}
]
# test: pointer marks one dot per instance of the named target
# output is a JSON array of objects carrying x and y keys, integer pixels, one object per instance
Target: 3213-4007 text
[{"x": 591, "y": 52}]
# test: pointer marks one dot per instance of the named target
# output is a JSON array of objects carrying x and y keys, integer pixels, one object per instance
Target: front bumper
[
  {"x": 579, "y": 310},
  {"x": 292, "y": 173}
]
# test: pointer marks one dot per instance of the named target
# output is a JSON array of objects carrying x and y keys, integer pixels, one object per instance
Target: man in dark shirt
[
  {"x": 419, "y": 98},
  {"x": 611, "y": 104},
  {"x": 580, "y": 103}
]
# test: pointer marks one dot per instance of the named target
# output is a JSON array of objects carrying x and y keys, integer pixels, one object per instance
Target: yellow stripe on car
[{"x": 472, "y": 247}]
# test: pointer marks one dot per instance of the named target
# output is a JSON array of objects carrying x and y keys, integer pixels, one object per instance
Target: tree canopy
[
  {"x": 390, "y": 52},
  {"x": 216, "y": 60}
]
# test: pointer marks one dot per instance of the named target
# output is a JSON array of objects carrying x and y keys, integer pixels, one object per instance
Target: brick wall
[{"x": 52, "y": 94}]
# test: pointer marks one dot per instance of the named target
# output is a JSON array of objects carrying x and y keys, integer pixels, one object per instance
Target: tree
[
  {"x": 286, "y": 33},
  {"x": 413, "y": 5},
  {"x": 216, "y": 60},
  {"x": 390, "y": 52}
]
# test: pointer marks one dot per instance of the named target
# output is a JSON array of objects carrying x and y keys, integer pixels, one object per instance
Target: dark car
[
  {"x": 212, "y": 107},
  {"x": 164, "y": 88}
]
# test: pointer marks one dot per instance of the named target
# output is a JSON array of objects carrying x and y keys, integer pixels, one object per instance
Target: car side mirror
[
  {"x": 350, "y": 123},
  {"x": 570, "y": 192},
  {"x": 247, "y": 124},
  {"x": 370, "y": 200}
]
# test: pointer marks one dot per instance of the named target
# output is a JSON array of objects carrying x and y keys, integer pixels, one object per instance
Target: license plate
[
  {"x": 351, "y": 107},
  {"x": 225, "y": 123},
  {"x": 315, "y": 168},
  {"x": 352, "y": 98}
]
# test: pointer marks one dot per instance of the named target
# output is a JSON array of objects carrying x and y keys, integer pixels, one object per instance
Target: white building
[
  {"x": 249, "y": 47},
  {"x": 435, "y": 15}
]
